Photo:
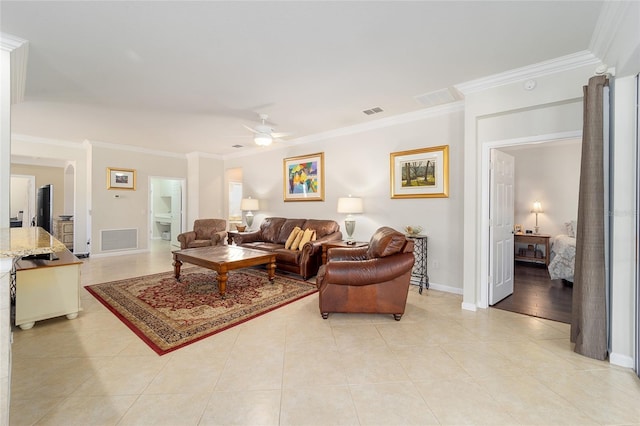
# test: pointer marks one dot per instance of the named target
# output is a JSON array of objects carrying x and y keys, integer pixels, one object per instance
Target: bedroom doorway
[{"x": 537, "y": 177}]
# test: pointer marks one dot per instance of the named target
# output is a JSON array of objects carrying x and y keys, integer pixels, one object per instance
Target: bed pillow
[{"x": 571, "y": 228}]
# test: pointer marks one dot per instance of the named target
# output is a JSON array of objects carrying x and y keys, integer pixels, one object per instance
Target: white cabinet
[{"x": 47, "y": 288}]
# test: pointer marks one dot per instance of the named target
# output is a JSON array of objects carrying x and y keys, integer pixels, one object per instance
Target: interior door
[
  {"x": 501, "y": 226},
  {"x": 176, "y": 211}
]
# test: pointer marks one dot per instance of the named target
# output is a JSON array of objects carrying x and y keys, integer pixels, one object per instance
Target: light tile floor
[{"x": 438, "y": 365}]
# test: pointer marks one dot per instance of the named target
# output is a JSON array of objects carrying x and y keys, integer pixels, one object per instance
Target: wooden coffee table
[{"x": 223, "y": 259}]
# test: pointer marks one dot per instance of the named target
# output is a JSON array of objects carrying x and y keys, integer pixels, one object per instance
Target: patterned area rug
[{"x": 168, "y": 314}]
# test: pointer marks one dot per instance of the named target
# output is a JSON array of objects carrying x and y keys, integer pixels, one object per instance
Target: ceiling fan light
[{"x": 263, "y": 139}]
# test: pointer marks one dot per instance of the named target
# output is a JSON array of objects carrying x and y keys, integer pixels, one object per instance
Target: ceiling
[{"x": 184, "y": 76}]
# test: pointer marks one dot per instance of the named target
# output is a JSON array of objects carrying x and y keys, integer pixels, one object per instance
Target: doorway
[
  {"x": 166, "y": 212},
  {"x": 542, "y": 184},
  {"x": 22, "y": 202}
]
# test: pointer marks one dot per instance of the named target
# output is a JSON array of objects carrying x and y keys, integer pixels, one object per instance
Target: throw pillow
[
  {"x": 307, "y": 236},
  {"x": 292, "y": 237},
  {"x": 296, "y": 241}
]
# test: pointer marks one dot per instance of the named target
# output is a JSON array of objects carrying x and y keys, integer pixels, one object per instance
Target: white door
[
  {"x": 501, "y": 226},
  {"x": 176, "y": 211}
]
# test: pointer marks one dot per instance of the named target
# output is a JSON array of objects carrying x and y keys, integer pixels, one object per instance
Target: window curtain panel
[{"x": 589, "y": 310}]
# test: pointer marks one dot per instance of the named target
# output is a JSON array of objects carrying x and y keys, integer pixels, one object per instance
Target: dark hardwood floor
[{"x": 535, "y": 294}]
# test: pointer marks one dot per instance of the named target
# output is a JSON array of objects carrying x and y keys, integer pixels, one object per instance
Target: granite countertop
[{"x": 19, "y": 242}]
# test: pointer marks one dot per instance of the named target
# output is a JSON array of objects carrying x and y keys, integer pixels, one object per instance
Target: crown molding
[
  {"x": 385, "y": 122},
  {"x": 611, "y": 17},
  {"x": 47, "y": 141},
  {"x": 131, "y": 148},
  {"x": 19, "y": 51},
  {"x": 421, "y": 114},
  {"x": 563, "y": 63}
]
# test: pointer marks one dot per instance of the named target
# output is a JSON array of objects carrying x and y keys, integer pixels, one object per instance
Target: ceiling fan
[{"x": 264, "y": 133}]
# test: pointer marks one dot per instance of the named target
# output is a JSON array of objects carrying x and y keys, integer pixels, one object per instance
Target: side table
[
  {"x": 333, "y": 244},
  {"x": 420, "y": 267}
]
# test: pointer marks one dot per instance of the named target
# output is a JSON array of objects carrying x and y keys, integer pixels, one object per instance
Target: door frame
[
  {"x": 183, "y": 210},
  {"x": 485, "y": 195}
]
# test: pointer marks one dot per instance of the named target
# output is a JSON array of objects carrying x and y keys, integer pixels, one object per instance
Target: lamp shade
[
  {"x": 537, "y": 207},
  {"x": 249, "y": 204},
  {"x": 263, "y": 139},
  {"x": 349, "y": 205}
]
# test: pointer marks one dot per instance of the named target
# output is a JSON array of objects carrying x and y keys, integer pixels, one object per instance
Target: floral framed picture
[
  {"x": 304, "y": 178},
  {"x": 121, "y": 178},
  {"x": 420, "y": 173}
]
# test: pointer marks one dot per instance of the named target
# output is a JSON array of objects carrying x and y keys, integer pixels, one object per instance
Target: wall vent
[
  {"x": 118, "y": 239},
  {"x": 373, "y": 110},
  {"x": 438, "y": 97}
]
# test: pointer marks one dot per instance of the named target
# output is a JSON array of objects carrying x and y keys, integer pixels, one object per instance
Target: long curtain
[{"x": 589, "y": 311}]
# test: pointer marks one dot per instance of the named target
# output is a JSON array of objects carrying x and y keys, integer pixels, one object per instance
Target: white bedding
[{"x": 563, "y": 256}]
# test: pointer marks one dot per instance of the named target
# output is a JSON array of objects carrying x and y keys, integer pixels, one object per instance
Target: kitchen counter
[{"x": 20, "y": 242}]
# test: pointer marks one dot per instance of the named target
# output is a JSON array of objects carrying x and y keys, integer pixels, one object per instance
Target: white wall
[
  {"x": 358, "y": 164},
  {"x": 549, "y": 173},
  {"x": 131, "y": 208}
]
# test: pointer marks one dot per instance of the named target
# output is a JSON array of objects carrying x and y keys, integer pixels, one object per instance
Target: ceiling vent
[
  {"x": 438, "y": 97},
  {"x": 373, "y": 111}
]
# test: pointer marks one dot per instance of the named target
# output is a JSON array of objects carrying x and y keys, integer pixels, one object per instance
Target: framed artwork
[
  {"x": 121, "y": 178},
  {"x": 420, "y": 173},
  {"x": 304, "y": 178}
]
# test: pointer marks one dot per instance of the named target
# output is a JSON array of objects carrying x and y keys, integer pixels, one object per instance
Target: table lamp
[
  {"x": 249, "y": 205},
  {"x": 350, "y": 205},
  {"x": 537, "y": 208}
]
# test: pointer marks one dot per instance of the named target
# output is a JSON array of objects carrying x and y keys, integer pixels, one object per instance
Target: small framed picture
[
  {"x": 517, "y": 229},
  {"x": 121, "y": 178}
]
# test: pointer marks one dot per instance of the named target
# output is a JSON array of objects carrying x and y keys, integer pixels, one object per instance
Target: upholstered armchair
[
  {"x": 206, "y": 232},
  {"x": 373, "y": 279}
]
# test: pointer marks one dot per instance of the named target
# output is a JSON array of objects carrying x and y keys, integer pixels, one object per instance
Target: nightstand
[{"x": 529, "y": 253}]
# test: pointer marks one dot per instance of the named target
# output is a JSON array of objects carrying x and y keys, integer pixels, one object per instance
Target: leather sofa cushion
[
  {"x": 322, "y": 227},
  {"x": 270, "y": 229},
  {"x": 385, "y": 242}
]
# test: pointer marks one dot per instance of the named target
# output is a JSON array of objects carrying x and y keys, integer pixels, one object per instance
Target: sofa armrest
[
  {"x": 314, "y": 248},
  {"x": 247, "y": 237},
  {"x": 185, "y": 238},
  {"x": 366, "y": 272},
  {"x": 347, "y": 253},
  {"x": 218, "y": 238}
]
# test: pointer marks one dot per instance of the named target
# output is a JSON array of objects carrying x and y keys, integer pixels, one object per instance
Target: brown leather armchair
[
  {"x": 206, "y": 232},
  {"x": 373, "y": 279}
]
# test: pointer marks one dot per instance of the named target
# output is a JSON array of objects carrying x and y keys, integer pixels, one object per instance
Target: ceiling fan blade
[
  {"x": 250, "y": 129},
  {"x": 280, "y": 135}
]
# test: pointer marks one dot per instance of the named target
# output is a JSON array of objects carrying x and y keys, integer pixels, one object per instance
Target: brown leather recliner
[
  {"x": 206, "y": 232},
  {"x": 373, "y": 279}
]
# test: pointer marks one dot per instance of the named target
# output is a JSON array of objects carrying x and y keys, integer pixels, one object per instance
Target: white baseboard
[
  {"x": 119, "y": 253},
  {"x": 469, "y": 306},
  {"x": 621, "y": 360},
  {"x": 441, "y": 287}
]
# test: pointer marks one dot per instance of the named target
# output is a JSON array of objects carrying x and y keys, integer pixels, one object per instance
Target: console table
[{"x": 419, "y": 271}]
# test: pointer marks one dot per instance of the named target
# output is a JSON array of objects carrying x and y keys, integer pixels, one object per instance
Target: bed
[{"x": 563, "y": 254}]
